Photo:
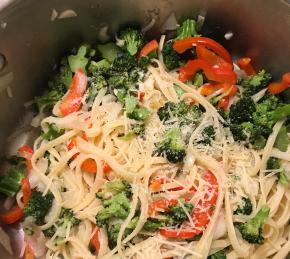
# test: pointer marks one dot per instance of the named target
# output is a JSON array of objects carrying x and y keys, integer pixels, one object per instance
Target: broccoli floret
[
  {"x": 208, "y": 135},
  {"x": 282, "y": 140},
  {"x": 198, "y": 79},
  {"x": 96, "y": 83},
  {"x": 38, "y": 206},
  {"x": 119, "y": 186},
  {"x": 172, "y": 146},
  {"x": 177, "y": 215},
  {"x": 98, "y": 68},
  {"x": 79, "y": 60},
  {"x": 255, "y": 83},
  {"x": 218, "y": 255},
  {"x": 49, "y": 232},
  {"x": 137, "y": 130},
  {"x": 172, "y": 110},
  {"x": 10, "y": 184},
  {"x": 131, "y": 40},
  {"x": 116, "y": 207},
  {"x": 246, "y": 209},
  {"x": 52, "y": 132},
  {"x": 123, "y": 63},
  {"x": 187, "y": 29},
  {"x": 113, "y": 231},
  {"x": 273, "y": 163},
  {"x": 251, "y": 231},
  {"x": 242, "y": 111},
  {"x": 139, "y": 114},
  {"x": 171, "y": 58},
  {"x": 108, "y": 51},
  {"x": 153, "y": 224}
]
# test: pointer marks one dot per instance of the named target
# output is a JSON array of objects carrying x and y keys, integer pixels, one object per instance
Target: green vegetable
[
  {"x": 10, "y": 184},
  {"x": 172, "y": 110},
  {"x": 282, "y": 140},
  {"x": 251, "y": 231},
  {"x": 208, "y": 135},
  {"x": 171, "y": 58},
  {"x": 153, "y": 224},
  {"x": 187, "y": 29},
  {"x": 38, "y": 206},
  {"x": 218, "y": 255},
  {"x": 283, "y": 178},
  {"x": 119, "y": 186},
  {"x": 246, "y": 209},
  {"x": 131, "y": 40},
  {"x": 172, "y": 146},
  {"x": 130, "y": 103},
  {"x": 116, "y": 207},
  {"x": 177, "y": 215},
  {"x": 242, "y": 110},
  {"x": 96, "y": 83},
  {"x": 113, "y": 231},
  {"x": 109, "y": 51},
  {"x": 123, "y": 63},
  {"x": 139, "y": 114},
  {"x": 98, "y": 67},
  {"x": 178, "y": 90},
  {"x": 198, "y": 79},
  {"x": 52, "y": 132},
  {"x": 255, "y": 83},
  {"x": 79, "y": 60},
  {"x": 273, "y": 163},
  {"x": 137, "y": 129}
]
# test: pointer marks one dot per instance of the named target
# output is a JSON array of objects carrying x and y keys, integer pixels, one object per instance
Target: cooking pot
[{"x": 35, "y": 34}]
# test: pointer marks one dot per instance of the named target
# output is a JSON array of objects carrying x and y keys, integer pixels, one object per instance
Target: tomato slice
[{"x": 72, "y": 100}]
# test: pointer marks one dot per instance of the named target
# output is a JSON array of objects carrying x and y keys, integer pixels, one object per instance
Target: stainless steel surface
[{"x": 32, "y": 44}]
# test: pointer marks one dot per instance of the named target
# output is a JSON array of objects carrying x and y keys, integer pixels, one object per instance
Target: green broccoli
[
  {"x": 172, "y": 110},
  {"x": 139, "y": 114},
  {"x": 208, "y": 135},
  {"x": 218, "y": 255},
  {"x": 98, "y": 68},
  {"x": 38, "y": 206},
  {"x": 251, "y": 231},
  {"x": 242, "y": 111},
  {"x": 187, "y": 29},
  {"x": 171, "y": 58},
  {"x": 108, "y": 51},
  {"x": 282, "y": 140},
  {"x": 114, "y": 229},
  {"x": 79, "y": 60},
  {"x": 171, "y": 146},
  {"x": 273, "y": 163},
  {"x": 116, "y": 207},
  {"x": 153, "y": 224},
  {"x": 96, "y": 83},
  {"x": 52, "y": 132},
  {"x": 131, "y": 40},
  {"x": 10, "y": 184},
  {"x": 246, "y": 209},
  {"x": 119, "y": 186},
  {"x": 137, "y": 130},
  {"x": 177, "y": 215},
  {"x": 255, "y": 83},
  {"x": 198, "y": 79},
  {"x": 123, "y": 63}
]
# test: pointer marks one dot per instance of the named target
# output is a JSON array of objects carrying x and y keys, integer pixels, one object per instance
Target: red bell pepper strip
[
  {"x": 26, "y": 190},
  {"x": 28, "y": 254},
  {"x": 26, "y": 152},
  {"x": 72, "y": 100},
  {"x": 245, "y": 64},
  {"x": 224, "y": 103},
  {"x": 208, "y": 89},
  {"x": 90, "y": 166},
  {"x": 182, "y": 45},
  {"x": 201, "y": 213},
  {"x": 214, "y": 74},
  {"x": 148, "y": 48},
  {"x": 12, "y": 216},
  {"x": 276, "y": 88},
  {"x": 205, "y": 54},
  {"x": 95, "y": 241},
  {"x": 161, "y": 204}
]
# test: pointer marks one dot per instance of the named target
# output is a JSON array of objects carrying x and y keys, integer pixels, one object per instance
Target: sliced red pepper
[
  {"x": 26, "y": 152},
  {"x": 141, "y": 96},
  {"x": 205, "y": 54},
  {"x": 214, "y": 74},
  {"x": 224, "y": 103},
  {"x": 201, "y": 213},
  {"x": 279, "y": 87},
  {"x": 95, "y": 241},
  {"x": 182, "y": 45},
  {"x": 90, "y": 166},
  {"x": 161, "y": 204},
  {"x": 208, "y": 89},
  {"x": 148, "y": 48},
  {"x": 26, "y": 190},
  {"x": 72, "y": 100},
  {"x": 28, "y": 254},
  {"x": 245, "y": 64},
  {"x": 12, "y": 216}
]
